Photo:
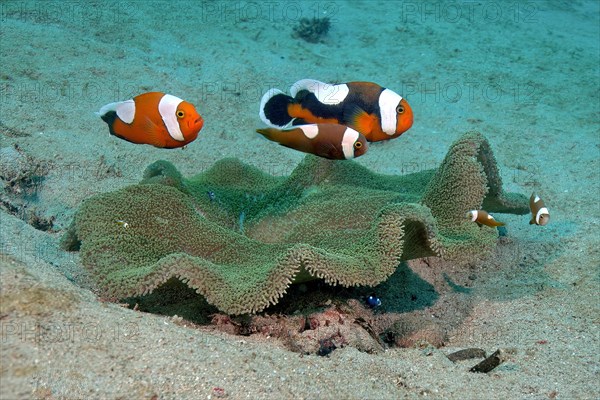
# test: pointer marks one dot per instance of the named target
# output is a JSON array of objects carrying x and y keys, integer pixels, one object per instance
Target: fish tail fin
[
  {"x": 274, "y": 108},
  {"x": 108, "y": 113},
  {"x": 108, "y": 117},
  {"x": 300, "y": 121},
  {"x": 269, "y": 133},
  {"x": 107, "y": 109}
]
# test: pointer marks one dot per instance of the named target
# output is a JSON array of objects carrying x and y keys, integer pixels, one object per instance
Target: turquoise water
[
  {"x": 523, "y": 73},
  {"x": 508, "y": 70}
]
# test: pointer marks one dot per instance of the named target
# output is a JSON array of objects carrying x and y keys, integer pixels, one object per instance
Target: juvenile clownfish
[
  {"x": 154, "y": 118},
  {"x": 336, "y": 142},
  {"x": 376, "y": 112},
  {"x": 481, "y": 217},
  {"x": 539, "y": 213}
]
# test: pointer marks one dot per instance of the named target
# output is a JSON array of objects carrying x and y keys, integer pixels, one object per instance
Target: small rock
[
  {"x": 466, "y": 354},
  {"x": 417, "y": 331}
]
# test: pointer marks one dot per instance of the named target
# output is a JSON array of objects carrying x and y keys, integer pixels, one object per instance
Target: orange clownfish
[
  {"x": 539, "y": 213},
  {"x": 374, "y": 111},
  {"x": 333, "y": 141},
  {"x": 481, "y": 217},
  {"x": 155, "y": 118}
]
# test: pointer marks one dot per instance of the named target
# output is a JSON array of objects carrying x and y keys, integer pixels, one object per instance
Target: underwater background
[{"x": 525, "y": 74}]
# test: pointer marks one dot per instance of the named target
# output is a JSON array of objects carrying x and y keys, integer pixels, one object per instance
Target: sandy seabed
[{"x": 523, "y": 73}]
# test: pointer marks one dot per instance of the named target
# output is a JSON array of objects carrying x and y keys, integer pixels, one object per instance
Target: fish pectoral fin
[
  {"x": 360, "y": 120},
  {"x": 154, "y": 133},
  {"x": 328, "y": 150}
]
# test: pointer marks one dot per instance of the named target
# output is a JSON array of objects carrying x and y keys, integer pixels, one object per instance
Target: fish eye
[
  {"x": 180, "y": 114},
  {"x": 357, "y": 145},
  {"x": 400, "y": 109}
]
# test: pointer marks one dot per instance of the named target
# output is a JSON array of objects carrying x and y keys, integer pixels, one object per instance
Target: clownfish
[
  {"x": 336, "y": 142},
  {"x": 481, "y": 217},
  {"x": 376, "y": 112},
  {"x": 155, "y": 118},
  {"x": 539, "y": 213}
]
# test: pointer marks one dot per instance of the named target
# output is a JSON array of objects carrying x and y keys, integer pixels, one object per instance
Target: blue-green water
[{"x": 524, "y": 73}]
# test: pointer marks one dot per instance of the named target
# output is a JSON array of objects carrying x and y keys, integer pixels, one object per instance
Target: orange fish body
[
  {"x": 374, "y": 111},
  {"x": 332, "y": 141},
  {"x": 154, "y": 118},
  {"x": 481, "y": 217}
]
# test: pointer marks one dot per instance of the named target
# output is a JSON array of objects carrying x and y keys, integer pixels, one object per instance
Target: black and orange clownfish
[
  {"x": 154, "y": 118},
  {"x": 539, "y": 213},
  {"x": 376, "y": 112},
  {"x": 481, "y": 217},
  {"x": 333, "y": 141}
]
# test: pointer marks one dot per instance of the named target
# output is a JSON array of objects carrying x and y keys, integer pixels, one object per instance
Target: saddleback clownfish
[
  {"x": 376, "y": 112},
  {"x": 155, "y": 118},
  {"x": 539, "y": 213},
  {"x": 481, "y": 217},
  {"x": 333, "y": 141}
]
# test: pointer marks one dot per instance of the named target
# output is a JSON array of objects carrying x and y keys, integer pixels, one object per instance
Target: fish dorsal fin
[
  {"x": 361, "y": 121},
  {"x": 326, "y": 93},
  {"x": 125, "y": 110},
  {"x": 311, "y": 85}
]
